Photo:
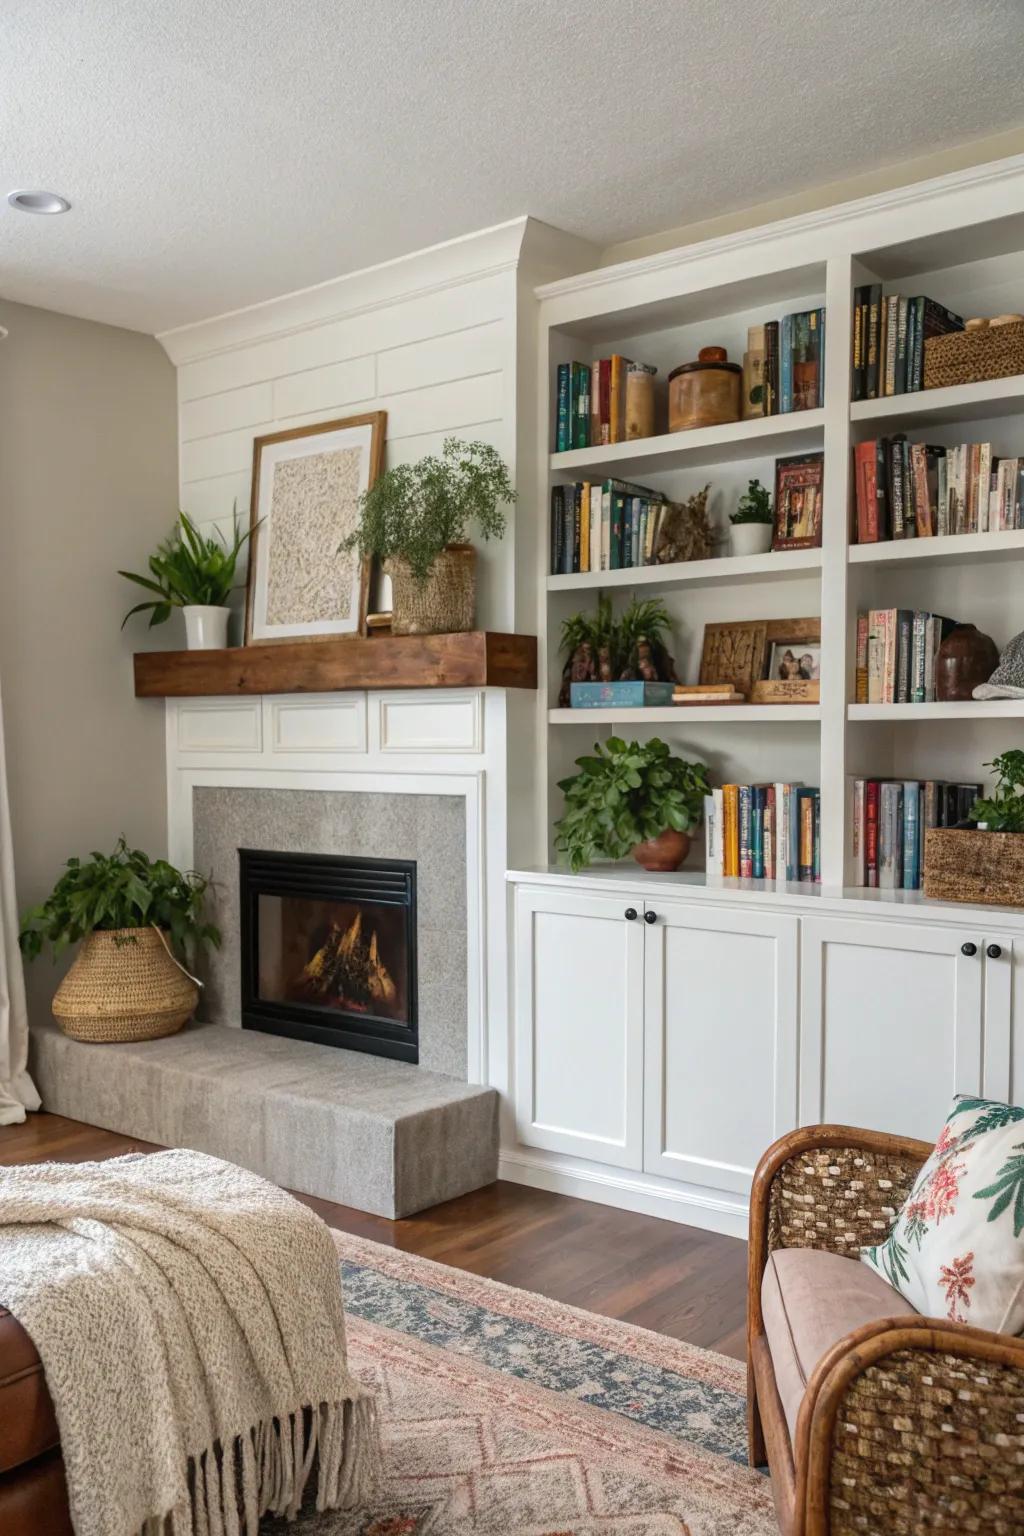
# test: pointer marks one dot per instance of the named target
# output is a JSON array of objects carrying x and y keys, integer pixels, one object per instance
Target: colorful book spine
[
  {"x": 786, "y": 364},
  {"x": 771, "y": 368},
  {"x": 912, "y": 839},
  {"x": 857, "y": 831},
  {"x": 563, "y": 419},
  {"x": 730, "y": 830},
  {"x": 890, "y": 837},
  {"x": 746, "y": 849},
  {"x": 579, "y": 399},
  {"x": 757, "y": 809},
  {"x": 873, "y": 349},
  {"x": 871, "y": 795}
]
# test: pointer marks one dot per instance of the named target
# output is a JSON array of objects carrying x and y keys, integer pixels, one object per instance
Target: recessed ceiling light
[{"x": 38, "y": 202}]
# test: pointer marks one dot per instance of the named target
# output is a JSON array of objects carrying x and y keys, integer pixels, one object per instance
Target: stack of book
[
  {"x": 707, "y": 693},
  {"x": 914, "y": 490},
  {"x": 591, "y": 403},
  {"x": 609, "y": 526},
  {"x": 889, "y": 333},
  {"x": 793, "y": 367},
  {"x": 896, "y": 651},
  {"x": 764, "y": 831},
  {"x": 888, "y": 823}
]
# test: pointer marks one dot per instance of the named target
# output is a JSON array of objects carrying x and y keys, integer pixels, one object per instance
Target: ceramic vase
[
  {"x": 965, "y": 658},
  {"x": 750, "y": 538}
]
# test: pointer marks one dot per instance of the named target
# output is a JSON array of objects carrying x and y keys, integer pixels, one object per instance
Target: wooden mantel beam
[{"x": 475, "y": 659}]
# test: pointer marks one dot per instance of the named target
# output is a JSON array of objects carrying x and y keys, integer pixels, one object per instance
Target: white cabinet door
[
  {"x": 890, "y": 1023},
  {"x": 579, "y": 1024},
  {"x": 1001, "y": 1053},
  {"x": 720, "y": 1017}
]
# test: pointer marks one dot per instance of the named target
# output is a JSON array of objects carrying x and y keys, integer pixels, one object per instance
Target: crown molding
[
  {"x": 900, "y": 199},
  {"x": 469, "y": 257}
]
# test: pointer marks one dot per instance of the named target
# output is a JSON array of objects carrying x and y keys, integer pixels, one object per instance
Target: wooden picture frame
[
  {"x": 740, "y": 653},
  {"x": 799, "y": 481},
  {"x": 306, "y": 484}
]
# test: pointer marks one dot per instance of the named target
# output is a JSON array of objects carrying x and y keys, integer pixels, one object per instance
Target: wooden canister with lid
[{"x": 705, "y": 393}]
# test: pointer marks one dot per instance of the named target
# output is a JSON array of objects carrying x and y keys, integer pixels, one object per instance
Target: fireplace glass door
[{"x": 329, "y": 950}]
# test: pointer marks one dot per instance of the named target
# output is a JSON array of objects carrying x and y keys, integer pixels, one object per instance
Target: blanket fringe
[{"x": 266, "y": 1471}]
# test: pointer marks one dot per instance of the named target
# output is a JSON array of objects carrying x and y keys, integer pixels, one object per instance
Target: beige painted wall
[
  {"x": 828, "y": 195},
  {"x": 88, "y": 483}
]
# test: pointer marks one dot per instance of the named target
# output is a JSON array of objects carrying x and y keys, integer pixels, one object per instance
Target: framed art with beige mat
[{"x": 306, "y": 486}]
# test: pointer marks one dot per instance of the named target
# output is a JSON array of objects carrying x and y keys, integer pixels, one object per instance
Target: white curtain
[{"x": 17, "y": 1091}]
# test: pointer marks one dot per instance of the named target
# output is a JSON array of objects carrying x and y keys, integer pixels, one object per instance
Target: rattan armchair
[{"x": 908, "y": 1425}]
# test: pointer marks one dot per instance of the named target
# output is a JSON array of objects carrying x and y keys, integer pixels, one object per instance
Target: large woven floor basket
[
  {"x": 444, "y": 604},
  {"x": 123, "y": 986}
]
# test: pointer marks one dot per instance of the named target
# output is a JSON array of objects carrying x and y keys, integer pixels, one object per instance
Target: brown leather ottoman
[{"x": 33, "y": 1492}]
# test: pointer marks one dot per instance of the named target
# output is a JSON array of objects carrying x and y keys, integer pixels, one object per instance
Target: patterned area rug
[{"x": 506, "y": 1414}]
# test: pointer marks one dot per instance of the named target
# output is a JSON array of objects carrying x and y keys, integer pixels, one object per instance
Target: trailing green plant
[
  {"x": 189, "y": 569},
  {"x": 646, "y": 618},
  {"x": 1003, "y": 810},
  {"x": 754, "y": 506},
  {"x": 123, "y": 889},
  {"x": 624, "y": 794},
  {"x": 414, "y": 510}
]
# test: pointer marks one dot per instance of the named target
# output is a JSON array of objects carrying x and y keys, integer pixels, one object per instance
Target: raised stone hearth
[{"x": 379, "y": 1135}]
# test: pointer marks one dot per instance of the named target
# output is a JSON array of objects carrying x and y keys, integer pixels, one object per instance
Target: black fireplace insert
[{"x": 329, "y": 950}]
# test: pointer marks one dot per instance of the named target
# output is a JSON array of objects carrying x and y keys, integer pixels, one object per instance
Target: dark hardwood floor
[{"x": 657, "y": 1274}]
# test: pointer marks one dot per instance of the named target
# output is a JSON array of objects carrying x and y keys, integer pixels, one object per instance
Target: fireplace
[{"x": 328, "y": 948}]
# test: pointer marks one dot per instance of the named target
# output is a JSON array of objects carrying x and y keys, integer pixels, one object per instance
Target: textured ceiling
[{"x": 219, "y": 152}]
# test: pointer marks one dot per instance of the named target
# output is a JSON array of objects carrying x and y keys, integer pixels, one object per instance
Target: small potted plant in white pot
[
  {"x": 195, "y": 573},
  {"x": 416, "y": 519},
  {"x": 751, "y": 532}
]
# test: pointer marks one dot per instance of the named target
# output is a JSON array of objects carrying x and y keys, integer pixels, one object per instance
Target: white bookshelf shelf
[
  {"x": 961, "y": 402},
  {"x": 965, "y": 709},
  {"x": 796, "y": 432},
  {"x": 721, "y": 714},
  {"x": 949, "y": 549},
  {"x": 780, "y": 566}
]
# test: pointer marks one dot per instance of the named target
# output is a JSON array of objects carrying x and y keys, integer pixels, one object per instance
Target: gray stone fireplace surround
[{"x": 428, "y": 828}]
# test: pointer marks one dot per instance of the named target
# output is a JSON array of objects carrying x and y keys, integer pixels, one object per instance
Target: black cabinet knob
[
  {"x": 650, "y": 917},
  {"x": 994, "y": 951},
  {"x": 631, "y": 914},
  {"x": 968, "y": 949}
]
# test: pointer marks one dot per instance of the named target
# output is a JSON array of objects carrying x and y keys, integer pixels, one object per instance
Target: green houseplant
[
  {"x": 631, "y": 797},
  {"x": 605, "y": 647},
  {"x": 1003, "y": 810},
  {"x": 131, "y": 914},
  {"x": 195, "y": 573},
  {"x": 416, "y": 519},
  {"x": 752, "y": 521}
]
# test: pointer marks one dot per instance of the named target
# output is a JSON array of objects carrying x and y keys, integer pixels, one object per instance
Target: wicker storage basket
[
  {"x": 444, "y": 604},
  {"x": 124, "y": 986},
  {"x": 967, "y": 357},
  {"x": 974, "y": 866}
]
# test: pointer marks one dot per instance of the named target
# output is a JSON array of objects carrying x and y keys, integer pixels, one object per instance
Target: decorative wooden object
[
  {"x": 474, "y": 659},
  {"x": 797, "y": 690},
  {"x": 974, "y": 866},
  {"x": 950, "y": 1397},
  {"x": 640, "y": 400},
  {"x": 966, "y": 357},
  {"x": 739, "y": 653},
  {"x": 705, "y": 393},
  {"x": 685, "y": 532}
]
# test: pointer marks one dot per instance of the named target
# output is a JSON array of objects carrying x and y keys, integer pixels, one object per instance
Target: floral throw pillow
[{"x": 957, "y": 1249}]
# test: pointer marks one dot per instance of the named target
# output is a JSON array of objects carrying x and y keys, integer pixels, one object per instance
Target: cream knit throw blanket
[{"x": 189, "y": 1319}]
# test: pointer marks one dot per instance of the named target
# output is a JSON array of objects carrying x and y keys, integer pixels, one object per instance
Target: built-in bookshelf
[{"x": 937, "y": 241}]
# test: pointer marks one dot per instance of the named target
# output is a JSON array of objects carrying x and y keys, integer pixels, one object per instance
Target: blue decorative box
[{"x": 622, "y": 695}]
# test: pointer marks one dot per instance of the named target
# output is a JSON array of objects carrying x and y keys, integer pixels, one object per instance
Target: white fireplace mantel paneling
[{"x": 436, "y": 743}]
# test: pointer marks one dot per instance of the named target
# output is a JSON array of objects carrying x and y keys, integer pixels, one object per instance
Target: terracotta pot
[
  {"x": 966, "y": 658},
  {"x": 664, "y": 852},
  {"x": 444, "y": 604}
]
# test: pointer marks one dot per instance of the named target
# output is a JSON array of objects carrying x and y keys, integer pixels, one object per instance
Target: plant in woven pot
[
  {"x": 196, "y": 573},
  {"x": 986, "y": 863},
  {"x": 140, "y": 922},
  {"x": 416, "y": 519},
  {"x": 631, "y": 797}
]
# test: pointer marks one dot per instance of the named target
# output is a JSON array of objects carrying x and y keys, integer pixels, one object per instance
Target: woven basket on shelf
[
  {"x": 967, "y": 357},
  {"x": 123, "y": 986},
  {"x": 444, "y": 604},
  {"x": 983, "y": 867}
]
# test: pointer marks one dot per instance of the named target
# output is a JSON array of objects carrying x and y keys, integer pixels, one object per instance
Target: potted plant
[
  {"x": 137, "y": 919},
  {"x": 601, "y": 648},
  {"x": 416, "y": 519},
  {"x": 752, "y": 521},
  {"x": 986, "y": 863},
  {"x": 195, "y": 573},
  {"x": 631, "y": 797}
]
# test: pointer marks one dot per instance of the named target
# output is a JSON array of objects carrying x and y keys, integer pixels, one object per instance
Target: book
[
  {"x": 806, "y": 366},
  {"x": 890, "y": 836},
  {"x": 912, "y": 836},
  {"x": 579, "y": 404},
  {"x": 563, "y": 428},
  {"x": 871, "y": 795},
  {"x": 875, "y": 655},
  {"x": 786, "y": 364},
  {"x": 856, "y": 824},
  {"x": 753, "y": 373},
  {"x": 874, "y": 316},
  {"x": 857, "y": 376},
  {"x": 712, "y": 836},
  {"x": 805, "y": 811},
  {"x": 745, "y": 851},
  {"x": 557, "y": 527},
  {"x": 584, "y": 540},
  {"x": 757, "y": 809},
  {"x": 618, "y": 367},
  {"x": 892, "y": 304},
  {"x": 771, "y": 368},
  {"x": 730, "y": 830}
]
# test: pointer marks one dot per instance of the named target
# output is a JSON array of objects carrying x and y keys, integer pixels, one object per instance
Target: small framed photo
[
  {"x": 792, "y": 667},
  {"x": 794, "y": 661},
  {"x": 798, "y": 501},
  {"x": 306, "y": 485}
]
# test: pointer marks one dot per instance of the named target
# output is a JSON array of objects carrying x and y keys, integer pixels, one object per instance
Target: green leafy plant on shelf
[
  {"x": 624, "y": 794},
  {"x": 188, "y": 570},
  {"x": 120, "y": 891},
  {"x": 644, "y": 619},
  {"x": 754, "y": 506},
  {"x": 414, "y": 511},
  {"x": 1003, "y": 810}
]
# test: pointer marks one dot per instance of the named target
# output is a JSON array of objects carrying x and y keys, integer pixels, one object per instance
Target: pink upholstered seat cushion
[{"x": 810, "y": 1300}]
